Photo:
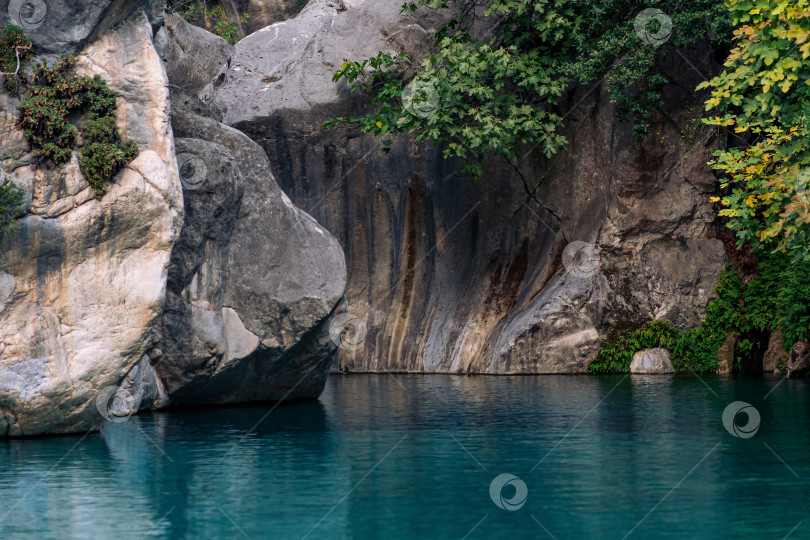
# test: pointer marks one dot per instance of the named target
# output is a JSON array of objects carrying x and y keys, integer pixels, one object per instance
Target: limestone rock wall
[
  {"x": 193, "y": 280},
  {"x": 84, "y": 280}
]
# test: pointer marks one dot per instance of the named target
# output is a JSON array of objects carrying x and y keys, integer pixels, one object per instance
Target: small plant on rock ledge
[{"x": 57, "y": 96}]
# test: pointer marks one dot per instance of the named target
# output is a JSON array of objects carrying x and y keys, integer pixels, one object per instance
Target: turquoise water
[{"x": 399, "y": 456}]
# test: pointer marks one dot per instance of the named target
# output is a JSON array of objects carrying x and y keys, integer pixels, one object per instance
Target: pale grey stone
[{"x": 651, "y": 361}]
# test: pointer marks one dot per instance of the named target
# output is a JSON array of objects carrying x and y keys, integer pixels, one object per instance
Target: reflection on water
[{"x": 403, "y": 456}]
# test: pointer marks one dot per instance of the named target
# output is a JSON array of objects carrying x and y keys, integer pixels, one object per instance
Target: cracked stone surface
[{"x": 83, "y": 280}]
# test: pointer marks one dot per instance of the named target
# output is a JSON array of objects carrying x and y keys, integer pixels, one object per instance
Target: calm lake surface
[{"x": 402, "y": 456}]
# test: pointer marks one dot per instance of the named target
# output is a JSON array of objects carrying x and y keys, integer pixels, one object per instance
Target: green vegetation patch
[
  {"x": 11, "y": 199},
  {"x": 777, "y": 298},
  {"x": 15, "y": 50},
  {"x": 213, "y": 19},
  {"x": 761, "y": 101},
  {"x": 58, "y": 98}
]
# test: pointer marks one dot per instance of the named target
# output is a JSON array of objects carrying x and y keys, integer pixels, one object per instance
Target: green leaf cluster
[
  {"x": 502, "y": 93},
  {"x": 213, "y": 19},
  {"x": 11, "y": 199},
  {"x": 58, "y": 98},
  {"x": 761, "y": 99}
]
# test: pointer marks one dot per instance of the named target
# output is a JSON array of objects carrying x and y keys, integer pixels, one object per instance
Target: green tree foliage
[
  {"x": 761, "y": 97},
  {"x": 500, "y": 93},
  {"x": 58, "y": 95}
]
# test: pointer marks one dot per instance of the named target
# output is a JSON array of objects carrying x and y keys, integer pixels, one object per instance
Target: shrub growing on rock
[
  {"x": 58, "y": 97},
  {"x": 496, "y": 94},
  {"x": 776, "y": 297}
]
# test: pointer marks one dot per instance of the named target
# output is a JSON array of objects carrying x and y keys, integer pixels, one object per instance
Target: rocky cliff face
[
  {"x": 84, "y": 280},
  {"x": 88, "y": 325},
  {"x": 479, "y": 277}
]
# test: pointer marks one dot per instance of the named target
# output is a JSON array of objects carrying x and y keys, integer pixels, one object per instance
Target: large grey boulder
[
  {"x": 651, "y": 362},
  {"x": 192, "y": 54},
  {"x": 252, "y": 281},
  {"x": 477, "y": 276},
  {"x": 67, "y": 26},
  {"x": 83, "y": 280}
]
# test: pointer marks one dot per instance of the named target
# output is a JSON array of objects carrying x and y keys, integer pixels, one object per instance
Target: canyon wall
[{"x": 522, "y": 271}]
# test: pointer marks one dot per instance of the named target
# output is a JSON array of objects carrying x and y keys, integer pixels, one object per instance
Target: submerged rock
[
  {"x": 83, "y": 280},
  {"x": 651, "y": 361}
]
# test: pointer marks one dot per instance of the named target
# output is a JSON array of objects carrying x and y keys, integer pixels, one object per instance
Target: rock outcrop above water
[
  {"x": 471, "y": 276},
  {"x": 149, "y": 297},
  {"x": 83, "y": 280},
  {"x": 775, "y": 355},
  {"x": 252, "y": 281}
]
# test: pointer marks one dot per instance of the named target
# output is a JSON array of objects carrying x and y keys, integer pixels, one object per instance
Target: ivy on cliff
[{"x": 777, "y": 297}]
